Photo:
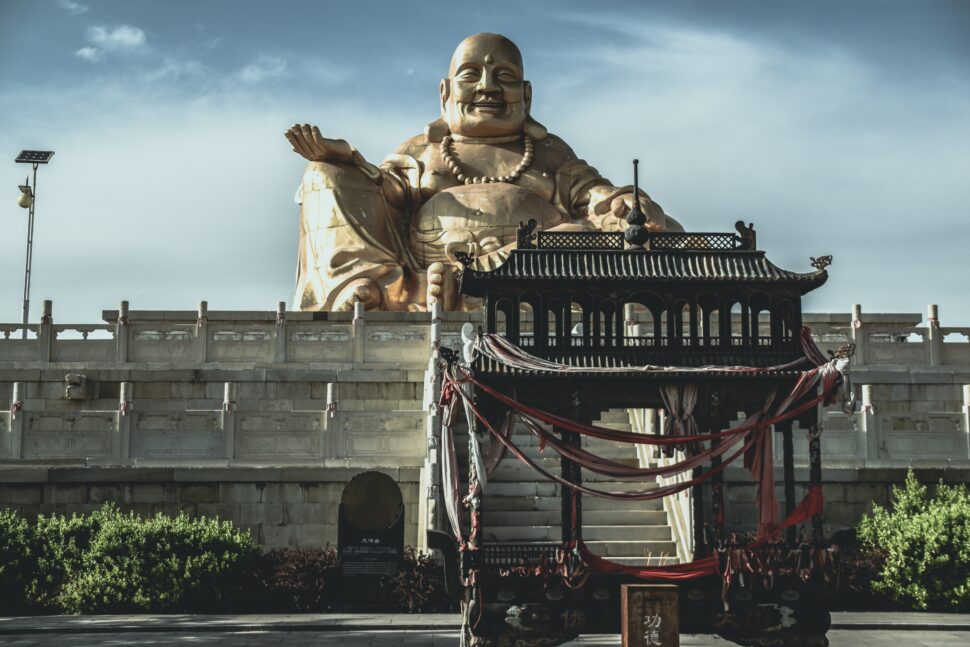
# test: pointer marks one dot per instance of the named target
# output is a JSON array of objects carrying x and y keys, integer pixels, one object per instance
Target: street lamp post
[{"x": 28, "y": 198}]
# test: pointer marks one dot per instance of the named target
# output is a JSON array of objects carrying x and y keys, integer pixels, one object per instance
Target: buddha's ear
[
  {"x": 534, "y": 129},
  {"x": 436, "y": 130},
  {"x": 444, "y": 89},
  {"x": 527, "y": 92}
]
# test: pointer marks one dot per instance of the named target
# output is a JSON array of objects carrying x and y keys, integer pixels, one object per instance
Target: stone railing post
[
  {"x": 121, "y": 333},
  {"x": 202, "y": 333},
  {"x": 45, "y": 335},
  {"x": 122, "y": 442},
  {"x": 331, "y": 426},
  {"x": 966, "y": 417},
  {"x": 429, "y": 493},
  {"x": 279, "y": 351},
  {"x": 858, "y": 335},
  {"x": 16, "y": 432},
  {"x": 869, "y": 427},
  {"x": 229, "y": 420},
  {"x": 359, "y": 329},
  {"x": 935, "y": 339}
]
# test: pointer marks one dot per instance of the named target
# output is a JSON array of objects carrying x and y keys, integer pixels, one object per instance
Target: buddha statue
[{"x": 390, "y": 236}]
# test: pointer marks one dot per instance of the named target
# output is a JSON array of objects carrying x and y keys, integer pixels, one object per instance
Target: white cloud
[
  {"x": 124, "y": 37},
  {"x": 90, "y": 54},
  {"x": 73, "y": 8},
  {"x": 263, "y": 68},
  {"x": 175, "y": 69}
]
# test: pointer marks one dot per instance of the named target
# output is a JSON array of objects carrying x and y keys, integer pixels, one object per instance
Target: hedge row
[{"x": 113, "y": 562}]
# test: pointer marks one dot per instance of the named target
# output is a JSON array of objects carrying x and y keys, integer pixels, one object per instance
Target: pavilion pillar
[
  {"x": 572, "y": 501},
  {"x": 717, "y": 482},
  {"x": 711, "y": 420},
  {"x": 815, "y": 474},
  {"x": 697, "y": 498},
  {"x": 789, "y": 467}
]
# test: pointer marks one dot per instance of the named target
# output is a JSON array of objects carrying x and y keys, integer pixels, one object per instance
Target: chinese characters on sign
[{"x": 650, "y": 615}]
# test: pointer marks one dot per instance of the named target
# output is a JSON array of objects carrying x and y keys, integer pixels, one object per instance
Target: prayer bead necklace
[{"x": 448, "y": 157}]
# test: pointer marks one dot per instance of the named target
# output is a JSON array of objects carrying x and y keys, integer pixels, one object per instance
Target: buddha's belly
[{"x": 479, "y": 218}]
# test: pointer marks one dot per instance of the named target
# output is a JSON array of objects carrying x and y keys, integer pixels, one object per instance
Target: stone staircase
[{"x": 521, "y": 507}]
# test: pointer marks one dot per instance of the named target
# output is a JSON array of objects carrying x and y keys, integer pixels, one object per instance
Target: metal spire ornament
[{"x": 636, "y": 234}]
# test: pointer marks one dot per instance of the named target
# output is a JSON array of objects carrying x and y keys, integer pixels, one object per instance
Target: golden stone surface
[{"x": 387, "y": 235}]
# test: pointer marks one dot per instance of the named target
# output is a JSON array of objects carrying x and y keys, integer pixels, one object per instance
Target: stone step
[
  {"x": 522, "y": 472},
  {"x": 626, "y": 533},
  {"x": 520, "y": 506},
  {"x": 496, "y": 489},
  {"x": 512, "y": 503},
  {"x": 553, "y": 517},
  {"x": 606, "y": 451},
  {"x": 618, "y": 425},
  {"x": 602, "y": 534},
  {"x": 639, "y": 548},
  {"x": 614, "y": 415}
]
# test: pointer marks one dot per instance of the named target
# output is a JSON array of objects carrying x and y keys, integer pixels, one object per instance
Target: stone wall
[
  {"x": 288, "y": 506},
  {"x": 258, "y": 417},
  {"x": 155, "y": 408},
  {"x": 849, "y": 493}
]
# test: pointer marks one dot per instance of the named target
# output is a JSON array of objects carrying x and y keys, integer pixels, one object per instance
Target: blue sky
[{"x": 837, "y": 128}]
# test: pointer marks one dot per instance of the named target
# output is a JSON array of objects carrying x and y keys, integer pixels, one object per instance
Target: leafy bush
[
  {"x": 59, "y": 544},
  {"x": 420, "y": 586},
  {"x": 926, "y": 542},
  {"x": 298, "y": 579},
  {"x": 113, "y": 562},
  {"x": 16, "y": 563},
  {"x": 158, "y": 564}
]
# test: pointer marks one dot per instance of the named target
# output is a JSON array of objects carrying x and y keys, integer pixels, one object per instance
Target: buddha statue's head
[{"x": 485, "y": 94}]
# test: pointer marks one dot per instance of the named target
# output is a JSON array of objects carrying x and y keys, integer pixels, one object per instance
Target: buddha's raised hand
[{"x": 308, "y": 142}]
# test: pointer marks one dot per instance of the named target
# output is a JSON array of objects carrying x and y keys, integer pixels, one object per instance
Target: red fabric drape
[{"x": 808, "y": 507}]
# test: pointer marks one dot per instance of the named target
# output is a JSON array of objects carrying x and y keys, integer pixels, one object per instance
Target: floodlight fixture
[
  {"x": 26, "y": 198},
  {"x": 34, "y": 157}
]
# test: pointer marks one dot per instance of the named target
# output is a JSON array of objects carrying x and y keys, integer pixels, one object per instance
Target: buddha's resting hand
[
  {"x": 609, "y": 207},
  {"x": 363, "y": 291}
]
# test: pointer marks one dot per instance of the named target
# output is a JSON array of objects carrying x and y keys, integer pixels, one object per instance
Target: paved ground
[
  {"x": 353, "y": 630},
  {"x": 437, "y": 638}
]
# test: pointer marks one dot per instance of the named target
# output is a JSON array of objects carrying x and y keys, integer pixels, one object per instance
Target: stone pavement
[{"x": 440, "y": 630}]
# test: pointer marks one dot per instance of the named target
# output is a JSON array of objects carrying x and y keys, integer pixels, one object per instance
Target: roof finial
[{"x": 636, "y": 234}]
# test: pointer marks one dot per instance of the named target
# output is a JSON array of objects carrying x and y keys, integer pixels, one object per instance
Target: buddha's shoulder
[
  {"x": 414, "y": 146},
  {"x": 555, "y": 149}
]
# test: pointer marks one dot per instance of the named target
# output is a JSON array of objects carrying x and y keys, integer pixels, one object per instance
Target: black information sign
[{"x": 370, "y": 530}]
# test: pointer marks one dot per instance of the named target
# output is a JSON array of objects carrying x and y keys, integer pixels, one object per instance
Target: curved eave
[{"x": 629, "y": 266}]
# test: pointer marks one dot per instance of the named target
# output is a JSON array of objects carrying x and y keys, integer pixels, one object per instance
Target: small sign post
[{"x": 650, "y": 615}]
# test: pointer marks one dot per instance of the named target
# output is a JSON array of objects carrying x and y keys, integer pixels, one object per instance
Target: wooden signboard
[{"x": 650, "y": 615}]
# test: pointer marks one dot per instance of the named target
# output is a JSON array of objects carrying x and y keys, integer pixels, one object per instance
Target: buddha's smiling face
[{"x": 485, "y": 94}]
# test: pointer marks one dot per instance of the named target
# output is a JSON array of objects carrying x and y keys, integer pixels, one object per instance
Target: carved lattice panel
[
  {"x": 579, "y": 240},
  {"x": 706, "y": 241}
]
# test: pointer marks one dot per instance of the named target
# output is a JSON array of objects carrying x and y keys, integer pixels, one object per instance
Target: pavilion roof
[{"x": 716, "y": 266}]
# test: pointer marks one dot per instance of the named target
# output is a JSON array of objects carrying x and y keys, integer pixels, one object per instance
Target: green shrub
[
  {"x": 158, "y": 564},
  {"x": 926, "y": 542},
  {"x": 59, "y": 544},
  {"x": 16, "y": 562}
]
